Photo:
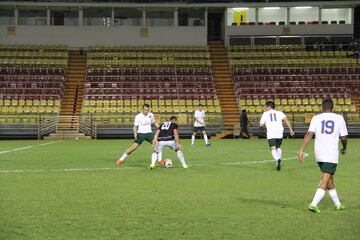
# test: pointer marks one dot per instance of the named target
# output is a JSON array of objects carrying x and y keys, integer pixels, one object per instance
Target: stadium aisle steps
[
  {"x": 74, "y": 87},
  {"x": 224, "y": 87}
]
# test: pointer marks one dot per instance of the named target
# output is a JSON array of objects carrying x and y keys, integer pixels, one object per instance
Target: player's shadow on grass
[{"x": 272, "y": 203}]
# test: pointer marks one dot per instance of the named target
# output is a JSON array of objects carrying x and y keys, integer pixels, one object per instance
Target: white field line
[
  {"x": 26, "y": 147},
  {"x": 115, "y": 168}
]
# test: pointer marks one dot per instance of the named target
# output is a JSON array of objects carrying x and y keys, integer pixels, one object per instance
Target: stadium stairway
[
  {"x": 224, "y": 88},
  {"x": 68, "y": 121}
]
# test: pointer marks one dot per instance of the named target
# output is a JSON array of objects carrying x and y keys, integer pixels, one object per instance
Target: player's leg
[
  {"x": 128, "y": 151},
  {"x": 320, "y": 192},
  {"x": 333, "y": 194},
  {"x": 205, "y": 137},
  {"x": 279, "y": 153},
  {"x": 193, "y": 136},
  {"x": 274, "y": 154},
  {"x": 180, "y": 155}
]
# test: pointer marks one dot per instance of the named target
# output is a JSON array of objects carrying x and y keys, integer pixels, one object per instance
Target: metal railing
[
  {"x": 46, "y": 125},
  {"x": 88, "y": 126}
]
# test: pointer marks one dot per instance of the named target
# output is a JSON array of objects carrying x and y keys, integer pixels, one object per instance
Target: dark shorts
[
  {"x": 199, "y": 129},
  {"x": 144, "y": 137},
  {"x": 275, "y": 142},
  {"x": 327, "y": 167}
]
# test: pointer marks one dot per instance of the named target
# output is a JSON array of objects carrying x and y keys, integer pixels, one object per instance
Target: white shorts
[{"x": 162, "y": 144}]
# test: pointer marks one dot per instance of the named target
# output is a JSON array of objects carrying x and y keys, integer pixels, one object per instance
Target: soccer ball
[{"x": 168, "y": 163}]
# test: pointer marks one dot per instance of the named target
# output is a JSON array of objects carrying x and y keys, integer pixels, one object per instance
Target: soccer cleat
[
  {"x": 314, "y": 209},
  {"x": 278, "y": 165},
  {"x": 208, "y": 144},
  {"x": 339, "y": 207},
  {"x": 152, "y": 166},
  {"x": 185, "y": 166},
  {"x": 119, "y": 162}
]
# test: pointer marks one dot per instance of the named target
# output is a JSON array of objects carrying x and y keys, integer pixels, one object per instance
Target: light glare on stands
[
  {"x": 271, "y": 8},
  {"x": 239, "y": 9},
  {"x": 303, "y": 7}
]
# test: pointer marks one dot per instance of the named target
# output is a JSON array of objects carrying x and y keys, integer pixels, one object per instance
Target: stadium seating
[
  {"x": 295, "y": 77},
  {"x": 31, "y": 78},
  {"x": 171, "y": 79}
]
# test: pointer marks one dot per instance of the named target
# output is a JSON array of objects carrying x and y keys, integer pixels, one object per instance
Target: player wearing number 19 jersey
[
  {"x": 273, "y": 121},
  {"x": 327, "y": 128}
]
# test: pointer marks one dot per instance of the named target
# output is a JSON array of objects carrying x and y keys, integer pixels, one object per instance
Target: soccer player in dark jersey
[{"x": 167, "y": 135}]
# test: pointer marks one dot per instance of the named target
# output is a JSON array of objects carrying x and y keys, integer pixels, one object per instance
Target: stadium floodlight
[
  {"x": 303, "y": 7},
  {"x": 271, "y": 8},
  {"x": 240, "y": 9}
]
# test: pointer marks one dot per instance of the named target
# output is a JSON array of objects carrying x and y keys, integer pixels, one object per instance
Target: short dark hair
[
  {"x": 173, "y": 118},
  {"x": 270, "y": 104},
  {"x": 146, "y": 105},
  {"x": 327, "y": 104}
]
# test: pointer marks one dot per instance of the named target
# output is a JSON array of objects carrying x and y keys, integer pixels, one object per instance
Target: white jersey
[
  {"x": 273, "y": 120},
  {"x": 200, "y": 115},
  {"x": 327, "y": 128},
  {"x": 144, "y": 122}
]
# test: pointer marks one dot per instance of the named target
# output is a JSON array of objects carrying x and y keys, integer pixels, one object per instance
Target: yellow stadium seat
[
  {"x": 312, "y": 101},
  {"x": 348, "y": 101},
  {"x": 249, "y": 102},
  {"x": 305, "y": 101},
  {"x": 340, "y": 101}
]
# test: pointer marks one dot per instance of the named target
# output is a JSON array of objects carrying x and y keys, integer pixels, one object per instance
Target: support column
[
  {"x": 256, "y": 15},
  {"x": 112, "y": 21},
  {"x": 81, "y": 17},
  {"x": 48, "y": 16},
  {"x": 144, "y": 17},
  {"x": 16, "y": 15},
  {"x": 287, "y": 16},
  {"x": 176, "y": 17}
]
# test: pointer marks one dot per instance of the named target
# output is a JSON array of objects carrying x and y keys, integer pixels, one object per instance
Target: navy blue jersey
[{"x": 167, "y": 131}]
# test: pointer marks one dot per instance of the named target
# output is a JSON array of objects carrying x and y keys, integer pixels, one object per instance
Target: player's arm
[
  {"x": 156, "y": 137},
  {"x": 177, "y": 138},
  {"x": 344, "y": 144},
  {"x": 135, "y": 128},
  {"x": 197, "y": 120},
  {"x": 286, "y": 120},
  {"x": 307, "y": 139}
]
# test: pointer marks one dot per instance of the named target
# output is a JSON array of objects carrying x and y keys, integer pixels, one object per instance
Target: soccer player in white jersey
[
  {"x": 142, "y": 131},
  {"x": 167, "y": 135},
  {"x": 273, "y": 121},
  {"x": 327, "y": 128},
  {"x": 199, "y": 125}
]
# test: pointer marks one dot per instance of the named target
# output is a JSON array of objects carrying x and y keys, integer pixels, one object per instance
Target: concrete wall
[
  {"x": 343, "y": 29},
  {"x": 98, "y": 35}
]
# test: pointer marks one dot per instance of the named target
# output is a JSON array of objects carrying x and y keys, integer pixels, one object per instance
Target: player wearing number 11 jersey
[
  {"x": 327, "y": 128},
  {"x": 273, "y": 121}
]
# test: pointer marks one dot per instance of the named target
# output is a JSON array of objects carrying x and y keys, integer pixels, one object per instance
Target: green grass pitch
[{"x": 228, "y": 192}]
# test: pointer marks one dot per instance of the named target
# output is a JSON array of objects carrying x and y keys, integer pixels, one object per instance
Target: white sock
[
  {"x": 206, "y": 139},
  {"x": 274, "y": 155},
  {"x": 334, "y": 196},
  {"x": 279, "y": 152},
  {"x": 124, "y": 156},
  {"x": 154, "y": 158},
  {"x": 318, "y": 196},
  {"x": 181, "y": 158},
  {"x": 159, "y": 156},
  {"x": 192, "y": 139}
]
